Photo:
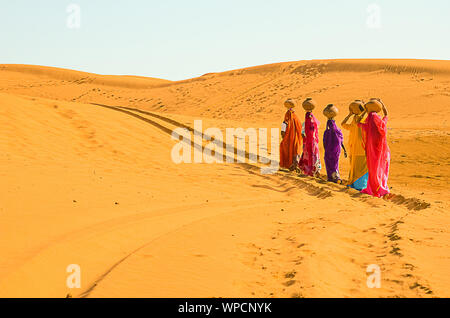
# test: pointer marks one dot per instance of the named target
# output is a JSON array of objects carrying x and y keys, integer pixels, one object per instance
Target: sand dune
[
  {"x": 60, "y": 76},
  {"x": 87, "y": 179}
]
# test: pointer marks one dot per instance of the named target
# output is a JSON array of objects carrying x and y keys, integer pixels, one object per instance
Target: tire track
[
  {"x": 92, "y": 286},
  {"x": 323, "y": 190}
]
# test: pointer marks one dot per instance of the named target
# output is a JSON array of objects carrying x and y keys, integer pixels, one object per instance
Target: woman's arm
[
  {"x": 346, "y": 119},
  {"x": 283, "y": 129},
  {"x": 345, "y": 151},
  {"x": 359, "y": 118},
  {"x": 385, "y": 112}
]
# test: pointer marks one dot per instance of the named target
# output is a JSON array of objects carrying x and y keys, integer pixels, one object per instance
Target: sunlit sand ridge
[{"x": 87, "y": 178}]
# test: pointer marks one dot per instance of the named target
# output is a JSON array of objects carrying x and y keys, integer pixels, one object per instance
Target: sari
[
  {"x": 374, "y": 132},
  {"x": 290, "y": 145},
  {"x": 332, "y": 143},
  {"x": 359, "y": 174},
  {"x": 310, "y": 161}
]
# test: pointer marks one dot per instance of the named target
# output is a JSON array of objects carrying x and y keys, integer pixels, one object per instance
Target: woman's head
[
  {"x": 357, "y": 107},
  {"x": 309, "y": 104},
  {"x": 331, "y": 111},
  {"x": 290, "y": 103},
  {"x": 374, "y": 106}
]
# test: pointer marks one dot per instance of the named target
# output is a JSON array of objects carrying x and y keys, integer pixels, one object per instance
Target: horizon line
[{"x": 225, "y": 71}]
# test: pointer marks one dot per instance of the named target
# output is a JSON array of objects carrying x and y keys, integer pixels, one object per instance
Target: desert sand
[{"x": 86, "y": 178}]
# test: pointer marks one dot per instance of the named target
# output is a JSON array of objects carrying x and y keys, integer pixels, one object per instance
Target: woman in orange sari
[{"x": 291, "y": 132}]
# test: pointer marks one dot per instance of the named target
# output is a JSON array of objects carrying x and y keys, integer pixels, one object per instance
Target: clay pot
[
  {"x": 374, "y": 106},
  {"x": 331, "y": 111},
  {"x": 309, "y": 104},
  {"x": 357, "y": 107},
  {"x": 290, "y": 103}
]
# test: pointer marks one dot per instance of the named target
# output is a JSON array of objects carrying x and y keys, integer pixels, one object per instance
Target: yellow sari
[{"x": 358, "y": 165}]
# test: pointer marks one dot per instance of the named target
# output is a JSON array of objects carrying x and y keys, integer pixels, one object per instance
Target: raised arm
[
  {"x": 344, "y": 122},
  {"x": 385, "y": 112},
  {"x": 360, "y": 117}
]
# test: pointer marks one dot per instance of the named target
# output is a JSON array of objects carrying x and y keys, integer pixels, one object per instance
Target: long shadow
[
  {"x": 311, "y": 189},
  {"x": 166, "y": 119},
  {"x": 252, "y": 169},
  {"x": 181, "y": 125},
  {"x": 128, "y": 110},
  {"x": 272, "y": 188},
  {"x": 317, "y": 191}
]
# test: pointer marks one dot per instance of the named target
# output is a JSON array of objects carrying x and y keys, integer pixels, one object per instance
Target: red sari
[
  {"x": 310, "y": 162},
  {"x": 374, "y": 133},
  {"x": 290, "y": 145}
]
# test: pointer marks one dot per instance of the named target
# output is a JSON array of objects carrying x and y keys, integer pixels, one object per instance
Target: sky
[{"x": 180, "y": 39}]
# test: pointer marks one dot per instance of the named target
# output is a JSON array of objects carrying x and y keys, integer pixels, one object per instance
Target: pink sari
[
  {"x": 374, "y": 133},
  {"x": 310, "y": 161}
]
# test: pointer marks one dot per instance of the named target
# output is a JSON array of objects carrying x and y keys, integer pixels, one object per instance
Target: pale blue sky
[{"x": 179, "y": 39}]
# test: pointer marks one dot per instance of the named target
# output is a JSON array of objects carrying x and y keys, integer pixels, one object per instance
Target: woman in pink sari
[
  {"x": 374, "y": 133},
  {"x": 310, "y": 161}
]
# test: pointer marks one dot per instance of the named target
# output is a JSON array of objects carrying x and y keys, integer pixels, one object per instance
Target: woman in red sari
[
  {"x": 374, "y": 133},
  {"x": 310, "y": 161}
]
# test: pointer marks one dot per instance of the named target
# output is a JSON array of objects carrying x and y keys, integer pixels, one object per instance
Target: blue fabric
[{"x": 361, "y": 183}]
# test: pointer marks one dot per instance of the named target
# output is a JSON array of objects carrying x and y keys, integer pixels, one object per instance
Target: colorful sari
[
  {"x": 374, "y": 133},
  {"x": 332, "y": 142},
  {"x": 359, "y": 174},
  {"x": 310, "y": 161},
  {"x": 290, "y": 145}
]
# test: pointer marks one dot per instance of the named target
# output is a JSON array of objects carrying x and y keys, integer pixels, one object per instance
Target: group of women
[{"x": 369, "y": 152}]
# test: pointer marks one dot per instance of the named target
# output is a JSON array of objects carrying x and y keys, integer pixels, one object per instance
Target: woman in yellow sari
[{"x": 359, "y": 173}]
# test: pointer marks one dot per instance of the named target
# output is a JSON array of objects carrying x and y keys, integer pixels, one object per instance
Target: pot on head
[
  {"x": 290, "y": 103},
  {"x": 331, "y": 111},
  {"x": 373, "y": 106},
  {"x": 309, "y": 104},
  {"x": 357, "y": 107}
]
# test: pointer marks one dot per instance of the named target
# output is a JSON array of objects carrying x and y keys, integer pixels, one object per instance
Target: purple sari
[{"x": 332, "y": 142}]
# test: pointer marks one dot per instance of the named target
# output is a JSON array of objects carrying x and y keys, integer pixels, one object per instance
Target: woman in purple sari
[{"x": 333, "y": 141}]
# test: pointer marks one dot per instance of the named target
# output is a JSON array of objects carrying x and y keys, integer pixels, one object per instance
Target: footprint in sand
[
  {"x": 289, "y": 283},
  {"x": 290, "y": 275}
]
